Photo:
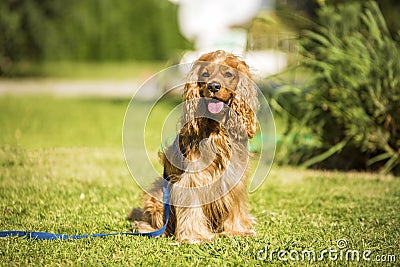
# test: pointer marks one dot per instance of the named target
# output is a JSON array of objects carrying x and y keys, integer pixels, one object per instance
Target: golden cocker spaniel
[{"x": 208, "y": 161}]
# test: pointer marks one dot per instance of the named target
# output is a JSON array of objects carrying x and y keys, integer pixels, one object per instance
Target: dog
[{"x": 207, "y": 164}]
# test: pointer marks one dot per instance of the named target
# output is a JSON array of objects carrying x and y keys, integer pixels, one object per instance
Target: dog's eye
[
  {"x": 228, "y": 74},
  {"x": 205, "y": 74}
]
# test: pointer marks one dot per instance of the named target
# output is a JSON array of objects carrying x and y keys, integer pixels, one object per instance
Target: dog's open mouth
[{"x": 215, "y": 106}]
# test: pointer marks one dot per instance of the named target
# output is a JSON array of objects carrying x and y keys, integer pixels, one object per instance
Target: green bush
[
  {"x": 348, "y": 115},
  {"x": 90, "y": 30}
]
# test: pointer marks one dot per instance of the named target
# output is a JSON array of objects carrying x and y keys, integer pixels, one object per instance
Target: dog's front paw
[
  {"x": 196, "y": 239},
  {"x": 142, "y": 227},
  {"x": 247, "y": 233}
]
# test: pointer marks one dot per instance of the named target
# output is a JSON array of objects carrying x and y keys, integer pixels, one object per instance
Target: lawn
[
  {"x": 63, "y": 171},
  {"x": 85, "y": 70}
]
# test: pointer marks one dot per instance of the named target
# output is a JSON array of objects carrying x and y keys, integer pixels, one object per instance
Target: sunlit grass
[
  {"x": 87, "y": 70},
  {"x": 63, "y": 171},
  {"x": 40, "y": 122}
]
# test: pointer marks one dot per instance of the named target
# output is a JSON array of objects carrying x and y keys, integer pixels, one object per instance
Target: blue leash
[{"x": 51, "y": 236}]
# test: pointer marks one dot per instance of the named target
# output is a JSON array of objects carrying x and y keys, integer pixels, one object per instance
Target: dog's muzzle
[{"x": 214, "y": 87}]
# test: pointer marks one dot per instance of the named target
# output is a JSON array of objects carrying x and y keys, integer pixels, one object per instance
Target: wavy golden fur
[{"x": 209, "y": 194}]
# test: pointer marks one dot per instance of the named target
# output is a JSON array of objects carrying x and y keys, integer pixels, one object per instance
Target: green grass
[
  {"x": 43, "y": 122},
  {"x": 87, "y": 70},
  {"x": 63, "y": 171}
]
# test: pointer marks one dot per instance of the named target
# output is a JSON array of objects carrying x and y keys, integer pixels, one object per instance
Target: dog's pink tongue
[{"x": 215, "y": 107}]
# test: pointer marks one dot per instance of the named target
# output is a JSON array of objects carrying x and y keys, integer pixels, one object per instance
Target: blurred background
[
  {"x": 34, "y": 34},
  {"x": 330, "y": 69}
]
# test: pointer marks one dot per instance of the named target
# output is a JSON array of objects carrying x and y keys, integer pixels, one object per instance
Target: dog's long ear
[
  {"x": 246, "y": 102},
  {"x": 191, "y": 98}
]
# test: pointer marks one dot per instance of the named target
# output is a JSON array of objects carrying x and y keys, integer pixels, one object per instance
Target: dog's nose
[{"x": 214, "y": 86}]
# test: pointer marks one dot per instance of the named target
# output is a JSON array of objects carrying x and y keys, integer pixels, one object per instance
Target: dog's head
[{"x": 220, "y": 84}]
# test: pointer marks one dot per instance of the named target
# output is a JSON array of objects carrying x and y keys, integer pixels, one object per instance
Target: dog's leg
[
  {"x": 239, "y": 221},
  {"x": 192, "y": 225},
  {"x": 153, "y": 213},
  {"x": 136, "y": 216}
]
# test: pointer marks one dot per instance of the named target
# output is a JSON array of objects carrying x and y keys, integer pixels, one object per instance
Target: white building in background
[{"x": 218, "y": 24}]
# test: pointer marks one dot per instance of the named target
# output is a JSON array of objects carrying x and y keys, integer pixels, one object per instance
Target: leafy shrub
[
  {"x": 351, "y": 105},
  {"x": 90, "y": 30}
]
